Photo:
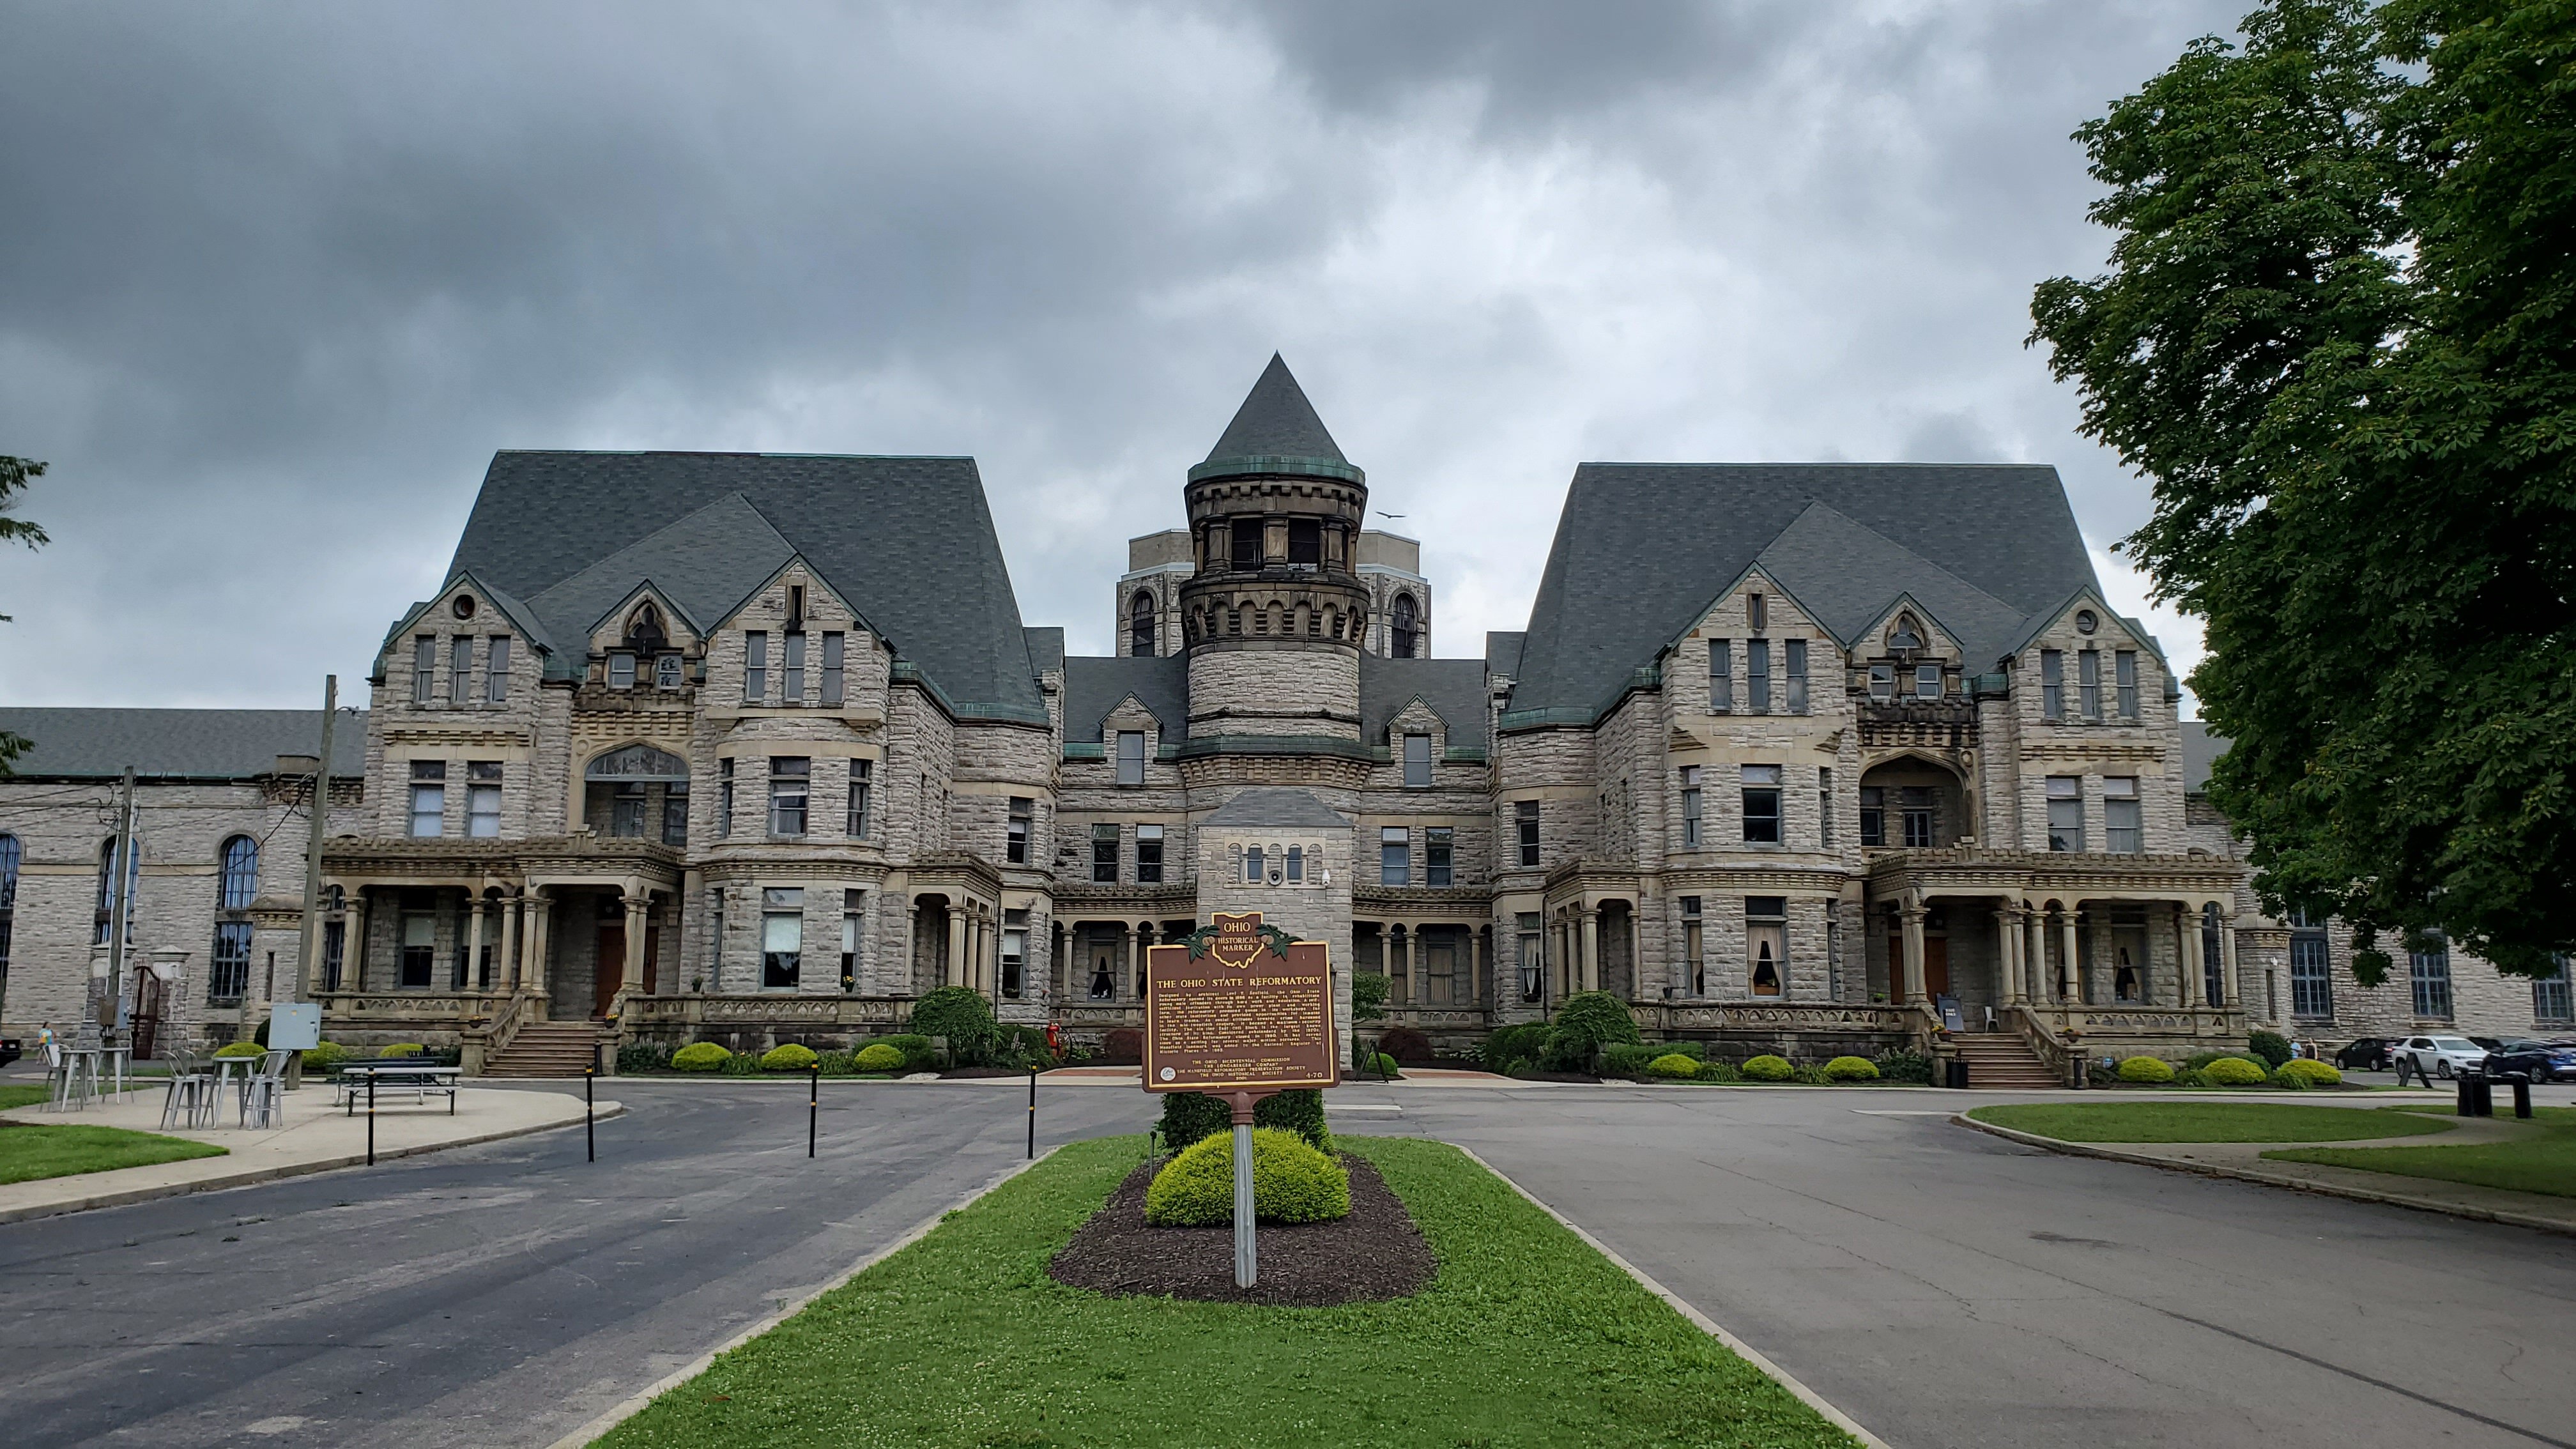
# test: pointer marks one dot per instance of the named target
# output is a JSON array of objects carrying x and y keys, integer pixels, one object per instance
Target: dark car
[
  {"x": 2366, "y": 1054},
  {"x": 8, "y": 1050},
  {"x": 2521, "y": 1059}
]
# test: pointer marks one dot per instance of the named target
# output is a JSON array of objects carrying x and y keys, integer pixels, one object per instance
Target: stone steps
[
  {"x": 548, "y": 1049},
  {"x": 2002, "y": 1062}
]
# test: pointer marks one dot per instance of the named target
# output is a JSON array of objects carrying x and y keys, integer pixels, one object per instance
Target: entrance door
[
  {"x": 147, "y": 1013},
  {"x": 1936, "y": 966},
  {"x": 653, "y": 960},
  {"x": 608, "y": 969}
]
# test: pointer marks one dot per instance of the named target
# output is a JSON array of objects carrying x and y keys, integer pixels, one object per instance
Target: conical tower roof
[{"x": 1276, "y": 421}]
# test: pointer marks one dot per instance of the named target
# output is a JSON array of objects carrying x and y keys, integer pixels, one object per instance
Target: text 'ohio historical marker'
[{"x": 1239, "y": 1007}]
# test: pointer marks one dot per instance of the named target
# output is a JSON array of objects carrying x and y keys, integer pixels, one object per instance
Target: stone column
[
  {"x": 636, "y": 902},
  {"x": 2195, "y": 971},
  {"x": 2041, "y": 981},
  {"x": 2227, "y": 957},
  {"x": 506, "y": 970},
  {"x": 1915, "y": 990},
  {"x": 353, "y": 944},
  {"x": 2007, "y": 959},
  {"x": 1413, "y": 963},
  {"x": 1591, "y": 949},
  {"x": 1140, "y": 937},
  {"x": 541, "y": 941},
  {"x": 474, "y": 945},
  {"x": 956, "y": 967},
  {"x": 2072, "y": 968}
]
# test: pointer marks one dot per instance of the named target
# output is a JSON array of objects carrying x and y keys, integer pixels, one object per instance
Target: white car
[{"x": 2442, "y": 1056}]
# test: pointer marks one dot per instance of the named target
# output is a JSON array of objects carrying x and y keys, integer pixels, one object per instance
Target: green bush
[
  {"x": 2271, "y": 1046},
  {"x": 918, "y": 1055},
  {"x": 643, "y": 1056},
  {"x": 1588, "y": 1021},
  {"x": 1300, "y": 1111},
  {"x": 2290, "y": 1083},
  {"x": 2234, "y": 1072},
  {"x": 878, "y": 1057},
  {"x": 2308, "y": 1072},
  {"x": 1673, "y": 1065},
  {"x": 740, "y": 1064},
  {"x": 960, "y": 1014},
  {"x": 1291, "y": 1183},
  {"x": 399, "y": 1049},
  {"x": 324, "y": 1056},
  {"x": 240, "y": 1049},
  {"x": 1191, "y": 1117},
  {"x": 2146, "y": 1070},
  {"x": 703, "y": 1056},
  {"x": 1720, "y": 1072},
  {"x": 1383, "y": 1065},
  {"x": 1810, "y": 1074},
  {"x": 1513, "y": 1046},
  {"x": 1768, "y": 1068},
  {"x": 788, "y": 1057},
  {"x": 1851, "y": 1069},
  {"x": 1906, "y": 1066}
]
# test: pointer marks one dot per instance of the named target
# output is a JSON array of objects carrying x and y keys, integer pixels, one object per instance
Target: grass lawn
[
  {"x": 21, "y": 1096},
  {"x": 2201, "y": 1122},
  {"x": 2543, "y": 1159},
  {"x": 28, "y": 1153},
  {"x": 1525, "y": 1337}
]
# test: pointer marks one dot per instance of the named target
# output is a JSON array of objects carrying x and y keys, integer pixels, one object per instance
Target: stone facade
[{"x": 1836, "y": 791}]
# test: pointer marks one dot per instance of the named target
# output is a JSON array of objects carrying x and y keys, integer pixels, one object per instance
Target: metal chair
[
  {"x": 191, "y": 1098},
  {"x": 263, "y": 1093},
  {"x": 71, "y": 1076}
]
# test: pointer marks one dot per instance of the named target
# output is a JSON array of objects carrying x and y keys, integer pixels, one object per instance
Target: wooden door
[
  {"x": 608, "y": 969},
  {"x": 1936, "y": 967},
  {"x": 653, "y": 960},
  {"x": 147, "y": 1013}
]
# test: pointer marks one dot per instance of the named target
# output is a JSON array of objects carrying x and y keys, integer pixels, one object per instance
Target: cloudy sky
[{"x": 276, "y": 279}]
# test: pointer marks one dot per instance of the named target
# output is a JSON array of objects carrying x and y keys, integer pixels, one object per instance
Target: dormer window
[
  {"x": 1907, "y": 637},
  {"x": 795, "y": 608},
  {"x": 621, "y": 670},
  {"x": 644, "y": 633},
  {"x": 1754, "y": 613},
  {"x": 1417, "y": 762}
]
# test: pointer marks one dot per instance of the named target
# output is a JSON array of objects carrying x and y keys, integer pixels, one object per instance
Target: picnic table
[{"x": 374, "y": 1081}]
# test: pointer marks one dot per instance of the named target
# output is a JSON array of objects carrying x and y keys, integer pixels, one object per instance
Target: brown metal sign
[{"x": 1239, "y": 1007}]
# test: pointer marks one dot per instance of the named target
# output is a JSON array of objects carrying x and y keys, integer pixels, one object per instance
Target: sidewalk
[
  {"x": 315, "y": 1138},
  {"x": 2244, "y": 1162}
]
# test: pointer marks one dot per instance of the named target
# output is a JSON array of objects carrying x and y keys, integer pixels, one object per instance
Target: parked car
[
  {"x": 2519, "y": 1058},
  {"x": 2443, "y": 1056},
  {"x": 2366, "y": 1054},
  {"x": 9, "y": 1050}
]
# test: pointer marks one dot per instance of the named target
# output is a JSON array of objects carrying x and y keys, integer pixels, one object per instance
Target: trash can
[{"x": 1956, "y": 1073}]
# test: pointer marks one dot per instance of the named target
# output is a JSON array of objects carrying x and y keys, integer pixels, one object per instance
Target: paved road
[
  {"x": 497, "y": 1295},
  {"x": 1945, "y": 1287}
]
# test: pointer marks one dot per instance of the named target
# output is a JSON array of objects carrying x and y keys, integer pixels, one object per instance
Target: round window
[
  {"x": 2085, "y": 622},
  {"x": 462, "y": 606}
]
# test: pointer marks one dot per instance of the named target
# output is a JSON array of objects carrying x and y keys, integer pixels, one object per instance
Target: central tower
[{"x": 1275, "y": 613}]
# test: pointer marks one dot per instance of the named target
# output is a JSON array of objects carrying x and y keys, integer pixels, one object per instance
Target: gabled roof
[
  {"x": 1503, "y": 651},
  {"x": 1642, "y": 549},
  {"x": 1276, "y": 421},
  {"x": 1275, "y": 807},
  {"x": 1454, "y": 688},
  {"x": 909, "y": 542},
  {"x": 1046, "y": 648},
  {"x": 197, "y": 744},
  {"x": 520, "y": 616},
  {"x": 1093, "y": 687}
]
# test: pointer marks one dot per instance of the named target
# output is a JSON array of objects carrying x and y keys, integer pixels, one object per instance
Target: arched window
[
  {"x": 644, "y": 630},
  {"x": 8, "y": 896},
  {"x": 1140, "y": 625},
  {"x": 1908, "y": 636},
  {"x": 107, "y": 890},
  {"x": 1400, "y": 644},
  {"x": 240, "y": 880}
]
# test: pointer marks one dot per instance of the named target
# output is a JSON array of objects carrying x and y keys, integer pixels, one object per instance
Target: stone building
[{"x": 757, "y": 747}]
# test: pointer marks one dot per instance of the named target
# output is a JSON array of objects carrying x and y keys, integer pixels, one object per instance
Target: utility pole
[
  {"x": 309, "y": 946},
  {"x": 120, "y": 902}
]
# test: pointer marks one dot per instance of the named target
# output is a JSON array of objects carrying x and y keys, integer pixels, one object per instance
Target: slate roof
[
  {"x": 1276, "y": 807},
  {"x": 1642, "y": 549},
  {"x": 1503, "y": 651},
  {"x": 909, "y": 542},
  {"x": 2200, "y": 750},
  {"x": 1454, "y": 688},
  {"x": 1276, "y": 421},
  {"x": 196, "y": 744},
  {"x": 1046, "y": 648},
  {"x": 1094, "y": 686}
]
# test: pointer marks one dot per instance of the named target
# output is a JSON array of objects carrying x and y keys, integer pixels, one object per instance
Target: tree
[
  {"x": 15, "y": 474},
  {"x": 2339, "y": 337}
]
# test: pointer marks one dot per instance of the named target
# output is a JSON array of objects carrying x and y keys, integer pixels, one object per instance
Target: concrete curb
[
  {"x": 635, "y": 1403},
  {"x": 1706, "y": 1324},
  {"x": 252, "y": 1176},
  {"x": 2272, "y": 1179}
]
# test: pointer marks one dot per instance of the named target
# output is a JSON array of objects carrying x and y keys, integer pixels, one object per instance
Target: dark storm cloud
[{"x": 275, "y": 281}]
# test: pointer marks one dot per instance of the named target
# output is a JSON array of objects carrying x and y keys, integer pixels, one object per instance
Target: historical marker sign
[{"x": 1239, "y": 1008}]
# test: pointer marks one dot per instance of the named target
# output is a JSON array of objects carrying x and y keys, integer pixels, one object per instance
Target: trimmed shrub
[
  {"x": 2308, "y": 1072},
  {"x": 1189, "y": 1117},
  {"x": 399, "y": 1049},
  {"x": 701, "y": 1056},
  {"x": 1673, "y": 1065},
  {"x": 789, "y": 1057},
  {"x": 1291, "y": 1183},
  {"x": 1586, "y": 1022},
  {"x": 1906, "y": 1066},
  {"x": 2291, "y": 1084},
  {"x": 2147, "y": 1071},
  {"x": 1513, "y": 1046},
  {"x": 2271, "y": 1046},
  {"x": 1769, "y": 1068},
  {"x": 2234, "y": 1072},
  {"x": 1629, "y": 1060},
  {"x": 1123, "y": 1047},
  {"x": 241, "y": 1049},
  {"x": 960, "y": 1014},
  {"x": 1381, "y": 1065},
  {"x": 917, "y": 1055},
  {"x": 324, "y": 1056},
  {"x": 878, "y": 1057},
  {"x": 1300, "y": 1111},
  {"x": 1851, "y": 1069},
  {"x": 1406, "y": 1045}
]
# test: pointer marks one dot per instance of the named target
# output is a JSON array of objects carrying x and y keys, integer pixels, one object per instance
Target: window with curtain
[
  {"x": 782, "y": 937},
  {"x": 1766, "y": 944},
  {"x": 790, "y": 783},
  {"x": 1525, "y": 823},
  {"x": 1694, "y": 947}
]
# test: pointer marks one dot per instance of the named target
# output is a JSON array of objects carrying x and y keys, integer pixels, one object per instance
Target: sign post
[{"x": 1239, "y": 1011}]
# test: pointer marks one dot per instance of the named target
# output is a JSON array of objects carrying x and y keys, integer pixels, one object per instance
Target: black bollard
[
  {"x": 2522, "y": 1100},
  {"x": 813, "y": 1104},
  {"x": 589, "y": 1122},
  {"x": 1033, "y": 1113},
  {"x": 371, "y": 1119}
]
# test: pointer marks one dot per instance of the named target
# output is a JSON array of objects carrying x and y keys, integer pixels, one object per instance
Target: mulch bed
[{"x": 1376, "y": 1253}]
